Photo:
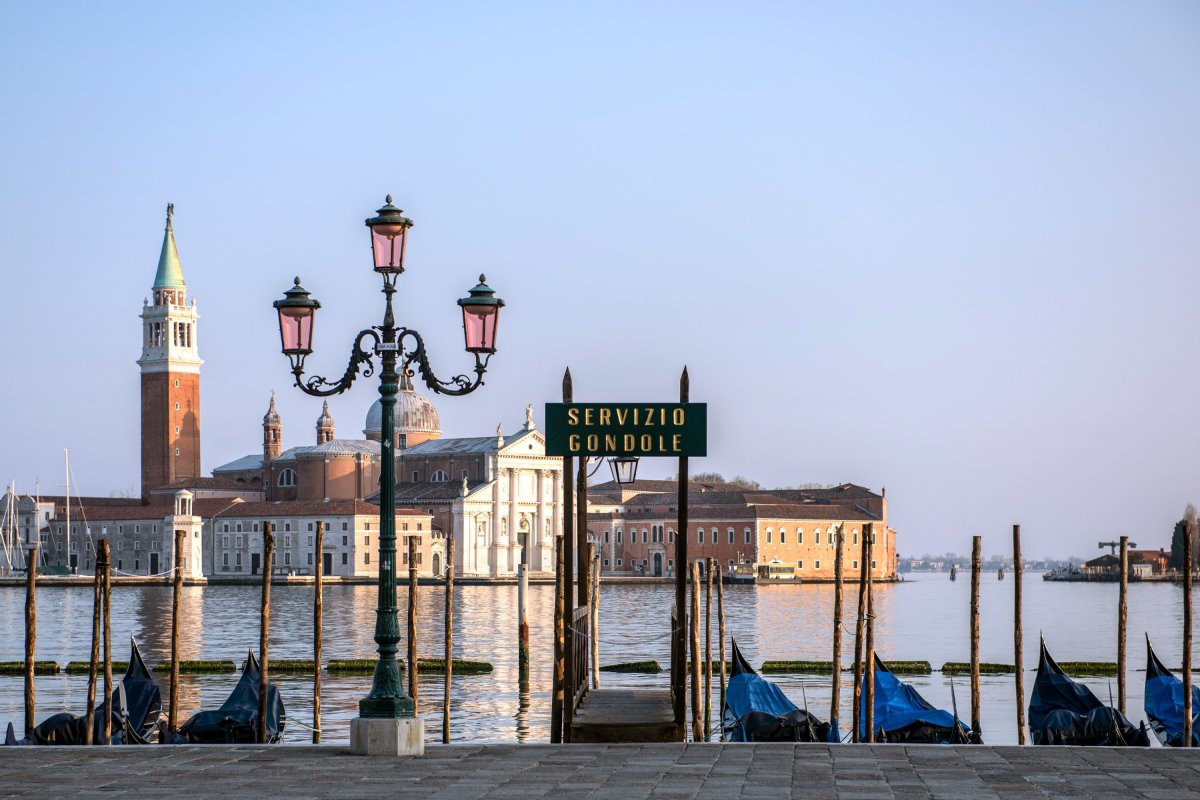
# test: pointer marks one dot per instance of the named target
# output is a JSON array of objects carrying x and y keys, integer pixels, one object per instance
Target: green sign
[{"x": 626, "y": 429}]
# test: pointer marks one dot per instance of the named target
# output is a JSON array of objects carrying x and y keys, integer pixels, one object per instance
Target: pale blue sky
[{"x": 946, "y": 248}]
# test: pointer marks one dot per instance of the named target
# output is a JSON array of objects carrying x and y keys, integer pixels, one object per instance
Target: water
[{"x": 925, "y": 618}]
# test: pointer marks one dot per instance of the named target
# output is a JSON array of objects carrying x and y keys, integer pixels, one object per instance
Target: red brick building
[{"x": 779, "y": 533}]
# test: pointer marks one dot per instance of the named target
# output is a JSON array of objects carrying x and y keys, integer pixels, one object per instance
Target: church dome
[{"x": 414, "y": 414}]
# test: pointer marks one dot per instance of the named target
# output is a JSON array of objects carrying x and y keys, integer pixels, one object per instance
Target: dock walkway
[{"x": 604, "y": 772}]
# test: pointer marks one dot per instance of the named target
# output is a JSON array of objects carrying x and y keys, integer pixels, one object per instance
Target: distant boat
[
  {"x": 756, "y": 710},
  {"x": 1164, "y": 703},
  {"x": 903, "y": 716},
  {"x": 236, "y": 721},
  {"x": 136, "y": 704},
  {"x": 1063, "y": 711}
]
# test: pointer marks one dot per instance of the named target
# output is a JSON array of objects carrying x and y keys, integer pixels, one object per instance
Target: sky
[{"x": 949, "y": 249}]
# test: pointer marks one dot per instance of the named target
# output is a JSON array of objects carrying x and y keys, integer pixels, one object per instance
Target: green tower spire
[{"x": 170, "y": 274}]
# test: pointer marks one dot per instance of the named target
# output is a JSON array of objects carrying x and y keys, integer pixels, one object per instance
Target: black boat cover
[
  {"x": 236, "y": 721},
  {"x": 902, "y": 715},
  {"x": 136, "y": 706},
  {"x": 1063, "y": 711},
  {"x": 757, "y": 710},
  {"x": 1164, "y": 702}
]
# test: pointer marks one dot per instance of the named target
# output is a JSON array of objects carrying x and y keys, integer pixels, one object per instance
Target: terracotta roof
[
  {"x": 202, "y": 483},
  {"x": 817, "y": 511},
  {"x": 430, "y": 491},
  {"x": 305, "y": 508},
  {"x": 203, "y": 507}
]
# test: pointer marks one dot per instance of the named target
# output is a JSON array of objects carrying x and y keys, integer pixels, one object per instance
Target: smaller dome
[
  {"x": 272, "y": 415},
  {"x": 325, "y": 421}
]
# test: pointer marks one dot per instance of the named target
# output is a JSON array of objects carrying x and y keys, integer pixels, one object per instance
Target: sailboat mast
[{"x": 67, "y": 466}]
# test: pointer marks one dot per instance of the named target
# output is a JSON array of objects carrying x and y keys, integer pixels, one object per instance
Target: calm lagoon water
[{"x": 925, "y": 617}]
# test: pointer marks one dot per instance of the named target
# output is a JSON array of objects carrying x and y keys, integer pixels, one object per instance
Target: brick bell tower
[{"x": 170, "y": 367}]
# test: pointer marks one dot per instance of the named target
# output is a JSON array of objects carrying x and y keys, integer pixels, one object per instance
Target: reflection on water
[{"x": 924, "y": 618}]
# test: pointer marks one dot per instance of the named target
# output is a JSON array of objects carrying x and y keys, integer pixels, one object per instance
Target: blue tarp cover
[
  {"x": 1164, "y": 703},
  {"x": 898, "y": 705}
]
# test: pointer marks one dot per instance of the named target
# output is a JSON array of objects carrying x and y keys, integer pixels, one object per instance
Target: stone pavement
[{"x": 604, "y": 772}]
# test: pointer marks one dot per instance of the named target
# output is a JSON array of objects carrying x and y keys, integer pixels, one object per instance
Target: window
[
  {"x": 800, "y": 536},
  {"x": 746, "y": 534},
  {"x": 854, "y": 564},
  {"x": 366, "y": 541},
  {"x": 310, "y": 541},
  {"x": 344, "y": 528},
  {"x": 619, "y": 564},
  {"x": 606, "y": 542},
  {"x": 137, "y": 544},
  {"x": 873, "y": 567},
  {"x": 287, "y": 559},
  {"x": 310, "y": 527},
  {"x": 783, "y": 535},
  {"x": 417, "y": 477},
  {"x": 287, "y": 478},
  {"x": 253, "y": 528},
  {"x": 731, "y": 540},
  {"x": 816, "y": 565},
  {"x": 799, "y": 565},
  {"x": 671, "y": 536},
  {"x": 287, "y": 526},
  {"x": 344, "y": 558},
  {"x": 237, "y": 559},
  {"x": 817, "y": 536},
  {"x": 287, "y": 541},
  {"x": 439, "y": 477},
  {"x": 768, "y": 535},
  {"x": 644, "y": 539},
  {"x": 237, "y": 541},
  {"x": 700, "y": 536},
  {"x": 618, "y": 539},
  {"x": 225, "y": 542},
  {"x": 367, "y": 557},
  {"x": 606, "y": 562},
  {"x": 855, "y": 542},
  {"x": 310, "y": 559},
  {"x": 346, "y": 541}
]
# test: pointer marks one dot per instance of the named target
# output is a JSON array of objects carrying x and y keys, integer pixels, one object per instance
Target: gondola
[
  {"x": 1063, "y": 711},
  {"x": 1164, "y": 702},
  {"x": 236, "y": 721},
  {"x": 136, "y": 707},
  {"x": 756, "y": 710},
  {"x": 903, "y": 716}
]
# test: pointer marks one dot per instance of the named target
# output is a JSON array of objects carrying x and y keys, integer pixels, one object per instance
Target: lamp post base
[{"x": 371, "y": 736}]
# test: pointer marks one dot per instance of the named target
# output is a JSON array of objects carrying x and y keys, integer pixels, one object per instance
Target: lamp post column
[{"x": 387, "y": 723}]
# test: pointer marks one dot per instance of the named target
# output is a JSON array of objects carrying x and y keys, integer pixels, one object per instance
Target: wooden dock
[{"x": 608, "y": 716}]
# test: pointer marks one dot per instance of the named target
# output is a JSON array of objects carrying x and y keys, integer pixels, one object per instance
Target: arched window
[
  {"x": 287, "y": 477},
  {"x": 438, "y": 476}
]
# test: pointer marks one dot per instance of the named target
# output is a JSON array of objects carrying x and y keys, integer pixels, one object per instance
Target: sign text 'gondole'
[{"x": 626, "y": 429}]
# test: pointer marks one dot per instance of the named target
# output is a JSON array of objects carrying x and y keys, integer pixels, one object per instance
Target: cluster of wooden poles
[{"x": 100, "y": 625}]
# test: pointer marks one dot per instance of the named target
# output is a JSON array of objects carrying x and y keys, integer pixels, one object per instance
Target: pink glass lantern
[
  {"x": 389, "y": 238},
  {"x": 481, "y": 313},
  {"x": 297, "y": 312}
]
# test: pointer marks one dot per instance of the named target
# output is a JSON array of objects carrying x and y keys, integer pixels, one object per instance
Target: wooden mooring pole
[
  {"x": 594, "y": 558},
  {"x": 976, "y": 570},
  {"x": 105, "y": 620},
  {"x": 413, "y": 683},
  {"x": 522, "y": 619},
  {"x": 679, "y": 690},
  {"x": 835, "y": 697},
  {"x": 450, "y": 639},
  {"x": 1018, "y": 660},
  {"x": 176, "y": 597},
  {"x": 568, "y": 580},
  {"x": 582, "y": 560},
  {"x": 1122, "y": 622},
  {"x": 31, "y": 562},
  {"x": 1188, "y": 536},
  {"x": 556, "y": 698},
  {"x": 89, "y": 717},
  {"x": 318, "y": 612},
  {"x": 721, "y": 632},
  {"x": 697, "y": 722},
  {"x": 869, "y": 665},
  {"x": 859, "y": 631},
  {"x": 264, "y": 631},
  {"x": 708, "y": 567}
]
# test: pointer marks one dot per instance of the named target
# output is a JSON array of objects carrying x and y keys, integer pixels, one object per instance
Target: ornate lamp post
[{"x": 386, "y": 722}]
